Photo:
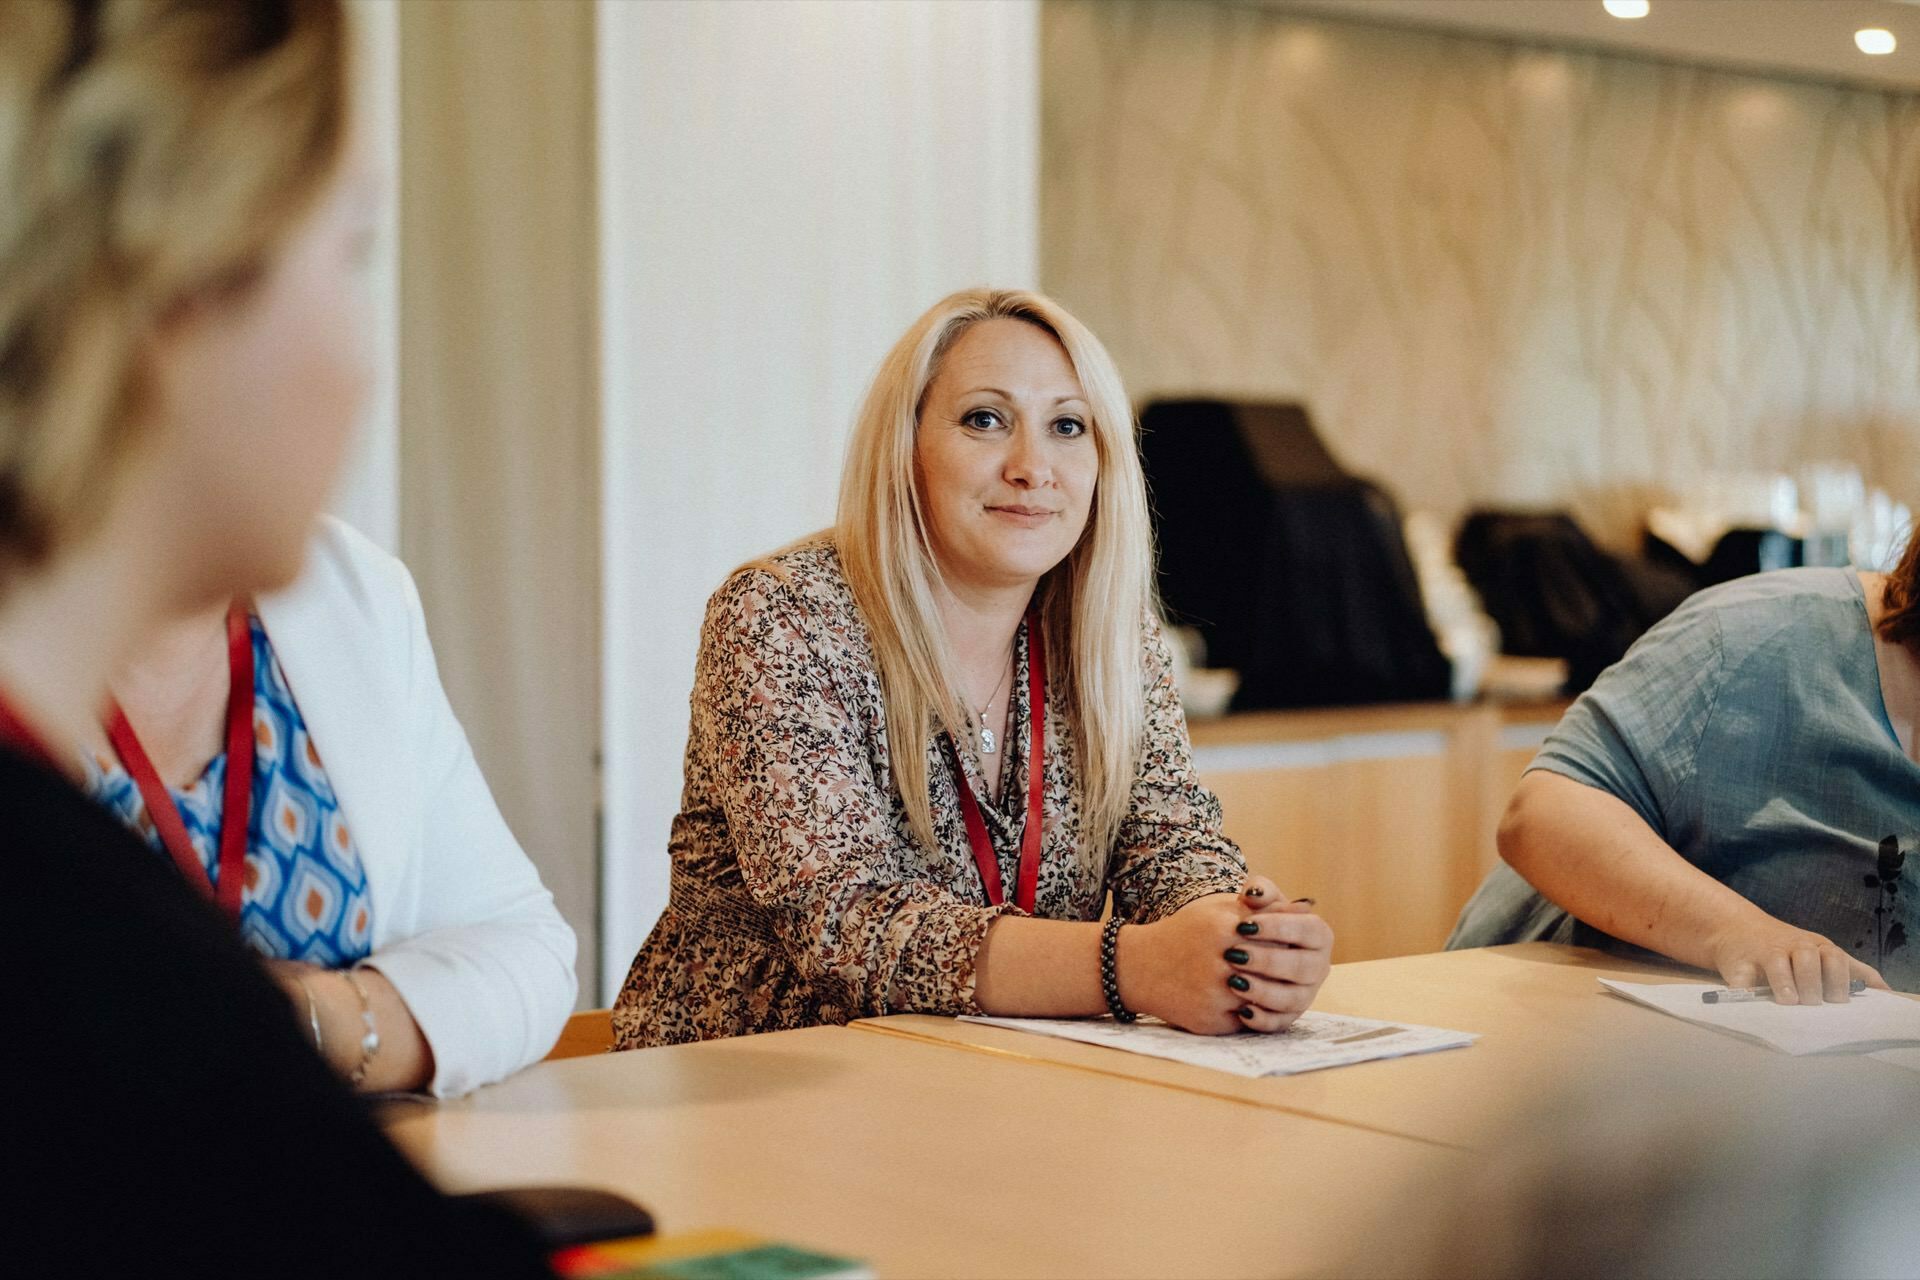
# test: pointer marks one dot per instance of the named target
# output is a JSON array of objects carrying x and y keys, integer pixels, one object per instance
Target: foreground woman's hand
[
  {"x": 1801, "y": 967},
  {"x": 1226, "y": 962}
]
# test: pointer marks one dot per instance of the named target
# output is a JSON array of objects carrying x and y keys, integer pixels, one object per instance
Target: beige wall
[
  {"x": 499, "y": 401},
  {"x": 1496, "y": 273}
]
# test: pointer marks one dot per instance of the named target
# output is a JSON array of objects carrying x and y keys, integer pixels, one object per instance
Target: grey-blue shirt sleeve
[{"x": 1636, "y": 734}]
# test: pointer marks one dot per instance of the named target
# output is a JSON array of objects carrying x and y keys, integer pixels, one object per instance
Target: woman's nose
[{"x": 1026, "y": 464}]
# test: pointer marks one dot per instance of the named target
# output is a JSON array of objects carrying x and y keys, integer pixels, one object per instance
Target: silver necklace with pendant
[{"x": 988, "y": 743}]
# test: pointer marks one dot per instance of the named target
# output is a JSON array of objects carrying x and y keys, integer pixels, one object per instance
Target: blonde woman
[
  {"x": 182, "y": 356},
  {"x": 927, "y": 746}
]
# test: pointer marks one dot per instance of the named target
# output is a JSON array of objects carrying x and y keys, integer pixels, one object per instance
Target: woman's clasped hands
[{"x": 1250, "y": 961}]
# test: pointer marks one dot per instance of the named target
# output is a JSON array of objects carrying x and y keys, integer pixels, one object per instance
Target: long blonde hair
[
  {"x": 1092, "y": 606},
  {"x": 153, "y": 153}
]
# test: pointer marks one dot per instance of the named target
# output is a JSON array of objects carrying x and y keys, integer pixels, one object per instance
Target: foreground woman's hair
[{"x": 156, "y": 152}]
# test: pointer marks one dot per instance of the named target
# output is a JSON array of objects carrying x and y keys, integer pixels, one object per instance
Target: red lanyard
[
  {"x": 15, "y": 732},
  {"x": 984, "y": 856},
  {"x": 238, "y": 793}
]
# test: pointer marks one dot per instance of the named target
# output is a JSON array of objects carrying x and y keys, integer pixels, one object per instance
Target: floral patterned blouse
[{"x": 800, "y": 894}]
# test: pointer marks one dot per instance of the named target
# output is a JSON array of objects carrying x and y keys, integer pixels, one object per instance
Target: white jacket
[{"x": 462, "y": 926}]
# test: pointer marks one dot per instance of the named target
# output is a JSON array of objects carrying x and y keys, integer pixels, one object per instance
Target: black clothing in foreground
[{"x": 165, "y": 1110}]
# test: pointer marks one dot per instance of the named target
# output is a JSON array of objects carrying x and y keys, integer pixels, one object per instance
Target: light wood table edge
[
  {"x": 1592, "y": 963},
  {"x": 881, "y": 1028}
]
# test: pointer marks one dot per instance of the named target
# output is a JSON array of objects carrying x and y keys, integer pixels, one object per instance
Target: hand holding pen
[
  {"x": 1754, "y": 995},
  {"x": 1794, "y": 966}
]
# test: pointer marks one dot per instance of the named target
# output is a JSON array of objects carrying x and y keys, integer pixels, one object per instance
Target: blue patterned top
[{"x": 306, "y": 893}]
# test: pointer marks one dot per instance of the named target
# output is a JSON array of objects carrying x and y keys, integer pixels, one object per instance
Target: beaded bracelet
[
  {"x": 369, "y": 1042},
  {"x": 1109, "y": 983}
]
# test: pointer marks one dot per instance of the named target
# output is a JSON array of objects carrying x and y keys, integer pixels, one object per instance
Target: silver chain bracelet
[
  {"x": 313, "y": 1016},
  {"x": 370, "y": 1041}
]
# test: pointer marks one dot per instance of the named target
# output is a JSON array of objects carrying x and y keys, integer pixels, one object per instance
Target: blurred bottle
[{"x": 1832, "y": 497}]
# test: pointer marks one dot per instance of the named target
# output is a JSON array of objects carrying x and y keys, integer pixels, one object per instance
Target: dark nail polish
[
  {"x": 1256, "y": 893},
  {"x": 1239, "y": 983},
  {"x": 1247, "y": 928},
  {"x": 1245, "y": 1011},
  {"x": 1236, "y": 956}
]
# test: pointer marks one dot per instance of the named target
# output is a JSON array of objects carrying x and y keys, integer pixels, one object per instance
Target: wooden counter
[{"x": 1385, "y": 815}]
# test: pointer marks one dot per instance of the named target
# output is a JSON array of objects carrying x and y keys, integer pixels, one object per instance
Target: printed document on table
[
  {"x": 1871, "y": 1020},
  {"x": 1315, "y": 1042}
]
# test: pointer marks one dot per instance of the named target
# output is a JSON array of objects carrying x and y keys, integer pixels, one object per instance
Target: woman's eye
[
  {"x": 982, "y": 420},
  {"x": 1070, "y": 427}
]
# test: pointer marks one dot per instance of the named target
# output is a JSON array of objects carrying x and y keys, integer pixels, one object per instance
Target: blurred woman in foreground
[{"x": 181, "y": 360}]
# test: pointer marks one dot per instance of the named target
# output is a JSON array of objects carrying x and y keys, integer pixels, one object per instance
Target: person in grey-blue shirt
[{"x": 1737, "y": 793}]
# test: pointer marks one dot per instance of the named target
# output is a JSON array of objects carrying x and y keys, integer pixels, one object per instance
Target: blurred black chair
[
  {"x": 1294, "y": 571},
  {"x": 1739, "y": 552},
  {"x": 1555, "y": 594}
]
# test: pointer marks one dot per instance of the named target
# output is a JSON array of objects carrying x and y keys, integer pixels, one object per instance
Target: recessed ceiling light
[
  {"x": 1627, "y": 8},
  {"x": 1875, "y": 40}
]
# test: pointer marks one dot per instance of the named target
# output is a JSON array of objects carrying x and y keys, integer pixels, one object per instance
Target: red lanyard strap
[
  {"x": 237, "y": 797},
  {"x": 984, "y": 857}
]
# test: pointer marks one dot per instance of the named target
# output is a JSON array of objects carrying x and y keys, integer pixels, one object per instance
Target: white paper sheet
[
  {"x": 1315, "y": 1042},
  {"x": 1905, "y": 1058},
  {"x": 1871, "y": 1020}
]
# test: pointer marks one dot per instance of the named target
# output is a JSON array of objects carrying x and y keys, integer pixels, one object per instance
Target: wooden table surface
[
  {"x": 929, "y": 1161},
  {"x": 1541, "y": 1016},
  {"x": 930, "y": 1147}
]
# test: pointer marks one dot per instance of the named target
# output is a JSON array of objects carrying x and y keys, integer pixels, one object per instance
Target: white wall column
[
  {"x": 784, "y": 186},
  {"x": 368, "y": 496}
]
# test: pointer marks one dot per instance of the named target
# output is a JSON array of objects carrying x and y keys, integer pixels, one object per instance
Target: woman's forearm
[
  {"x": 1592, "y": 855},
  {"x": 404, "y": 1060},
  {"x": 1044, "y": 968}
]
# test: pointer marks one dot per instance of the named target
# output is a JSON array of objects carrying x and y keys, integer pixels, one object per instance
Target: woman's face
[
  {"x": 1005, "y": 456},
  {"x": 259, "y": 395}
]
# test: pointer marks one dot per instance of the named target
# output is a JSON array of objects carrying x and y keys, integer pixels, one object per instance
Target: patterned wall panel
[{"x": 1497, "y": 273}]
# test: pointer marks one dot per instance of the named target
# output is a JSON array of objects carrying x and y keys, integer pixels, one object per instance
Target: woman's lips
[{"x": 1025, "y": 517}]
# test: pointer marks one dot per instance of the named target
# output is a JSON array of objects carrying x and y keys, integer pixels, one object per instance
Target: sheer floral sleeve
[
  {"x": 811, "y": 821},
  {"x": 1171, "y": 849}
]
